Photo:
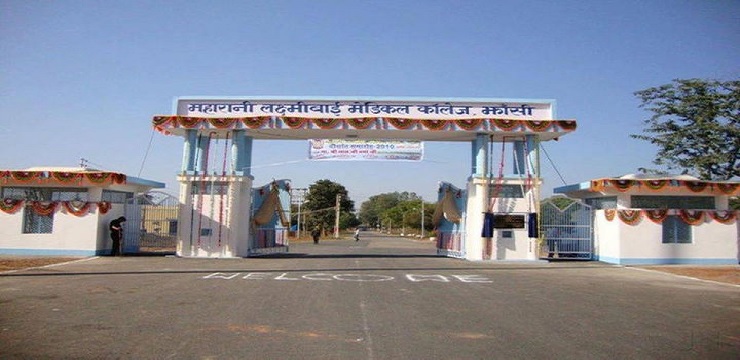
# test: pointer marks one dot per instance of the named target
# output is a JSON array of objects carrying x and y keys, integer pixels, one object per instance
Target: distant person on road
[
  {"x": 116, "y": 234},
  {"x": 315, "y": 233},
  {"x": 357, "y": 234}
]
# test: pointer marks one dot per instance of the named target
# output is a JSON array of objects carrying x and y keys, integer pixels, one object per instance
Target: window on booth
[
  {"x": 506, "y": 191},
  {"x": 117, "y": 197},
  {"x": 675, "y": 231}
]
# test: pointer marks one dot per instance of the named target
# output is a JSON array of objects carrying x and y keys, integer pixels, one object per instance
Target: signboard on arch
[{"x": 365, "y": 150}]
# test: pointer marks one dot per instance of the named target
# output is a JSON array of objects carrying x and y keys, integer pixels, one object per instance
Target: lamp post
[{"x": 422, "y": 218}]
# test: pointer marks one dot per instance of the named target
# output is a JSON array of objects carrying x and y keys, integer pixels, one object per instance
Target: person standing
[
  {"x": 116, "y": 234},
  {"x": 315, "y": 233},
  {"x": 357, "y": 234}
]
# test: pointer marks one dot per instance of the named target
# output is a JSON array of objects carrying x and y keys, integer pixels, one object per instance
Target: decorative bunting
[
  {"x": 609, "y": 214},
  {"x": 728, "y": 188},
  {"x": 402, "y": 124},
  {"x": 655, "y": 184},
  {"x": 66, "y": 177},
  {"x": 691, "y": 217},
  {"x": 434, "y": 125},
  {"x": 597, "y": 185},
  {"x": 327, "y": 123},
  {"x": 725, "y": 217},
  {"x": 104, "y": 207},
  {"x": 98, "y": 177},
  {"x": 469, "y": 124},
  {"x": 361, "y": 123},
  {"x": 222, "y": 123},
  {"x": 621, "y": 185},
  {"x": 630, "y": 216},
  {"x": 255, "y": 122},
  {"x": 10, "y": 206},
  {"x": 25, "y": 176},
  {"x": 44, "y": 208},
  {"x": 567, "y": 125},
  {"x": 695, "y": 186},
  {"x": 505, "y": 124},
  {"x": 536, "y": 125},
  {"x": 656, "y": 215},
  {"x": 188, "y": 122},
  {"x": 294, "y": 122},
  {"x": 76, "y": 208}
]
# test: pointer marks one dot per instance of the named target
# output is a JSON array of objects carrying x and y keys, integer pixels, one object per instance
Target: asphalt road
[{"x": 380, "y": 298}]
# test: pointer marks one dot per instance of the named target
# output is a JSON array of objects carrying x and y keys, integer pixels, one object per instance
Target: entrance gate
[
  {"x": 151, "y": 224},
  {"x": 568, "y": 232},
  {"x": 518, "y": 124}
]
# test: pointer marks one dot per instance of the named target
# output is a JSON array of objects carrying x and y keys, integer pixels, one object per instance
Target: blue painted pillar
[
  {"x": 241, "y": 153},
  {"x": 203, "y": 143},
  {"x": 519, "y": 158},
  {"x": 532, "y": 155},
  {"x": 480, "y": 155},
  {"x": 188, "y": 151}
]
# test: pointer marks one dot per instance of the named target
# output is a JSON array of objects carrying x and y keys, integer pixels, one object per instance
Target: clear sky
[{"x": 82, "y": 79}]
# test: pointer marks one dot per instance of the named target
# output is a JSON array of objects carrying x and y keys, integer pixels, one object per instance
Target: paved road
[{"x": 381, "y": 298}]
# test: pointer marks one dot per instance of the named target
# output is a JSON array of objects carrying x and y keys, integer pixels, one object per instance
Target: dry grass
[
  {"x": 726, "y": 274},
  {"x": 17, "y": 263}
]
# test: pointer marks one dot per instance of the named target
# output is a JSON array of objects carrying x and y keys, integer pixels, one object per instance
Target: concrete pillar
[
  {"x": 189, "y": 150},
  {"x": 241, "y": 153},
  {"x": 519, "y": 160},
  {"x": 204, "y": 142},
  {"x": 480, "y": 156}
]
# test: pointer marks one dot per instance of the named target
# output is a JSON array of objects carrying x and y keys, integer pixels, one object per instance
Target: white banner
[{"x": 367, "y": 150}]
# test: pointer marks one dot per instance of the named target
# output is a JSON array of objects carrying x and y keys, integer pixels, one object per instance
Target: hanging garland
[
  {"x": 255, "y": 122},
  {"x": 104, "y": 207},
  {"x": 361, "y": 123},
  {"x": 294, "y": 122},
  {"x": 98, "y": 177},
  {"x": 44, "y": 208},
  {"x": 469, "y": 124},
  {"x": 537, "y": 125},
  {"x": 402, "y": 124},
  {"x": 66, "y": 177},
  {"x": 655, "y": 184},
  {"x": 222, "y": 123},
  {"x": 622, "y": 185},
  {"x": 695, "y": 186},
  {"x": 725, "y": 217},
  {"x": 609, "y": 214},
  {"x": 160, "y": 121},
  {"x": 434, "y": 125},
  {"x": 728, "y": 188},
  {"x": 656, "y": 215},
  {"x": 5, "y": 175},
  {"x": 188, "y": 122},
  {"x": 327, "y": 123},
  {"x": 25, "y": 176},
  {"x": 567, "y": 125},
  {"x": 691, "y": 217},
  {"x": 10, "y": 206},
  {"x": 505, "y": 124},
  {"x": 597, "y": 185},
  {"x": 76, "y": 208},
  {"x": 118, "y": 178},
  {"x": 630, "y": 217}
]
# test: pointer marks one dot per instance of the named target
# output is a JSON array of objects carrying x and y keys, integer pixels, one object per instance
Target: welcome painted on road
[{"x": 286, "y": 276}]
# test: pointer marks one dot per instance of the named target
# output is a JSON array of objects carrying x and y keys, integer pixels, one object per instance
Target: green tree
[
  {"x": 321, "y": 202},
  {"x": 371, "y": 211},
  {"x": 696, "y": 125}
]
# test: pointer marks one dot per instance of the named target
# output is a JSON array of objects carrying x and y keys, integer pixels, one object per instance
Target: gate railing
[
  {"x": 151, "y": 224},
  {"x": 568, "y": 232}
]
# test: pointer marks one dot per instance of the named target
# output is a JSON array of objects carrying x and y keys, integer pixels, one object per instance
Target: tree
[
  {"x": 696, "y": 126},
  {"x": 371, "y": 210},
  {"x": 321, "y": 202}
]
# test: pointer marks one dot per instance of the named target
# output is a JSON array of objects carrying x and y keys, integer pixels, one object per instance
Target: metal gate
[
  {"x": 151, "y": 224},
  {"x": 567, "y": 226}
]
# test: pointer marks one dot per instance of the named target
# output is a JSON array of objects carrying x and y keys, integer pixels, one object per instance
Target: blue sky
[{"x": 82, "y": 79}]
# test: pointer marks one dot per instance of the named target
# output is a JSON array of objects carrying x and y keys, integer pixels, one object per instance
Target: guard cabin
[{"x": 493, "y": 216}]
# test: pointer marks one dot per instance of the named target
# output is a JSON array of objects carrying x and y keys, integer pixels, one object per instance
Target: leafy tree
[
  {"x": 321, "y": 202},
  {"x": 696, "y": 126},
  {"x": 371, "y": 211}
]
